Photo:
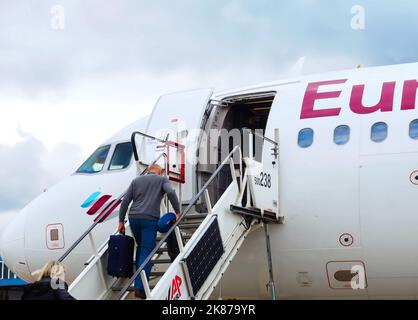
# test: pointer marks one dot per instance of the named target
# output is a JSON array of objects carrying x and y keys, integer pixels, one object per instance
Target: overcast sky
[{"x": 73, "y": 72}]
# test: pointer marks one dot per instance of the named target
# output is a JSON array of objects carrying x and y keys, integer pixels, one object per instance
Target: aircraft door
[
  {"x": 264, "y": 175},
  {"x": 178, "y": 115}
]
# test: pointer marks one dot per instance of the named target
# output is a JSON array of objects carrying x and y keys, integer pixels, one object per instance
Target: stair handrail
[
  {"x": 266, "y": 138},
  {"x": 174, "y": 226},
  {"x": 133, "y": 142},
  {"x": 275, "y": 144},
  {"x": 102, "y": 214}
]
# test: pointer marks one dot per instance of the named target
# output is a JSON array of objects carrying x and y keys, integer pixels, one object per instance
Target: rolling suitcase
[{"x": 121, "y": 252}]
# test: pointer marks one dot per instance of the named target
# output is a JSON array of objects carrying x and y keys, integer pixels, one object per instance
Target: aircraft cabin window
[
  {"x": 305, "y": 138},
  {"x": 121, "y": 157},
  {"x": 341, "y": 134},
  {"x": 413, "y": 129},
  {"x": 96, "y": 161},
  {"x": 379, "y": 132}
]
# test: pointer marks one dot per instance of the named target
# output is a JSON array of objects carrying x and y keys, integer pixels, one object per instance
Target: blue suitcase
[{"x": 121, "y": 251}]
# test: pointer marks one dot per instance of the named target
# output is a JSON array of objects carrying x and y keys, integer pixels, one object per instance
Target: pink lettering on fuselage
[
  {"x": 385, "y": 103},
  {"x": 356, "y": 103},
  {"x": 409, "y": 93},
  {"x": 312, "y": 94}
]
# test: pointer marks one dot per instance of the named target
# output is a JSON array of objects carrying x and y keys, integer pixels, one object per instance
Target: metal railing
[
  {"x": 6, "y": 273},
  {"x": 133, "y": 142},
  {"x": 265, "y": 138},
  {"x": 102, "y": 215},
  {"x": 174, "y": 226}
]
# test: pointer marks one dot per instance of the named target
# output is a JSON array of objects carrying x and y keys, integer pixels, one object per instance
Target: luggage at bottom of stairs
[{"x": 121, "y": 252}]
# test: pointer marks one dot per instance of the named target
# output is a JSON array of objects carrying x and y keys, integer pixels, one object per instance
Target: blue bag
[{"x": 165, "y": 222}]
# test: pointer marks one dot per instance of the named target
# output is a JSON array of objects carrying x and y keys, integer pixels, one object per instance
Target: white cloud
[
  {"x": 28, "y": 168},
  {"x": 159, "y": 38},
  {"x": 73, "y": 88},
  {"x": 5, "y": 218},
  {"x": 90, "y": 110}
]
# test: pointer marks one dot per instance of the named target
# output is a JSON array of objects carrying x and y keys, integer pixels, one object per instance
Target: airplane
[{"x": 346, "y": 183}]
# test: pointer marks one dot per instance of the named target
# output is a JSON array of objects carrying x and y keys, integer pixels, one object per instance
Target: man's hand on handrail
[{"x": 178, "y": 215}]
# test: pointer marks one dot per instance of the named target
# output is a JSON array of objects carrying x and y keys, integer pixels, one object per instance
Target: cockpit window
[
  {"x": 96, "y": 161},
  {"x": 121, "y": 157}
]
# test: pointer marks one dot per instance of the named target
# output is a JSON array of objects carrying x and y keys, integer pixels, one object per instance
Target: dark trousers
[{"x": 145, "y": 234}]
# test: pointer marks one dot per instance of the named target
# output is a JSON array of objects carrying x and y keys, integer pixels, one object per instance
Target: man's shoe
[{"x": 140, "y": 294}]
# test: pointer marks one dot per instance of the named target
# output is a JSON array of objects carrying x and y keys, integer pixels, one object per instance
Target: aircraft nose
[{"x": 12, "y": 246}]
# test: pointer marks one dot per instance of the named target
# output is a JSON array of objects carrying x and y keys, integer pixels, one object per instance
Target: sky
[{"x": 74, "y": 72}]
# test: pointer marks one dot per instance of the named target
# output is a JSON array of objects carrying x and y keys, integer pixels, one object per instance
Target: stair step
[
  {"x": 130, "y": 289},
  {"x": 156, "y": 273},
  {"x": 161, "y": 261},
  {"x": 119, "y": 288},
  {"x": 189, "y": 226},
  {"x": 184, "y": 236},
  {"x": 195, "y": 216},
  {"x": 161, "y": 250},
  {"x": 268, "y": 216}
]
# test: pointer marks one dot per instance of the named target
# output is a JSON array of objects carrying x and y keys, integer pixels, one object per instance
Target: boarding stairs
[{"x": 208, "y": 243}]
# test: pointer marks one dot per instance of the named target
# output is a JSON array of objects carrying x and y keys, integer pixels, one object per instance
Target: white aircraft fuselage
[{"x": 348, "y": 183}]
